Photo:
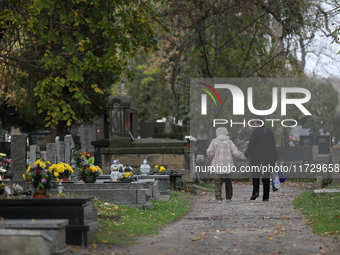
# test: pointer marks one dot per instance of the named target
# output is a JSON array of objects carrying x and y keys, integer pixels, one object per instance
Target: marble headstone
[
  {"x": 57, "y": 148},
  {"x": 51, "y": 153},
  {"x": 43, "y": 155},
  {"x": 69, "y": 145},
  {"x": 18, "y": 156},
  {"x": 34, "y": 154},
  {"x": 61, "y": 150}
]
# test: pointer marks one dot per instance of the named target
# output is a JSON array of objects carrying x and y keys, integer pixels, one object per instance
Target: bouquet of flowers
[
  {"x": 5, "y": 164},
  {"x": 61, "y": 171},
  {"x": 40, "y": 174},
  {"x": 90, "y": 170}
]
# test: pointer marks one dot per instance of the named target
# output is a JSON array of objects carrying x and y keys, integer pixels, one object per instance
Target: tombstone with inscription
[
  {"x": 33, "y": 137},
  {"x": 324, "y": 143},
  {"x": 306, "y": 140}
]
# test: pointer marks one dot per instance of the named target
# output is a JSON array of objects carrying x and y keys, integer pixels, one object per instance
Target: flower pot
[
  {"x": 40, "y": 192},
  {"x": 89, "y": 179}
]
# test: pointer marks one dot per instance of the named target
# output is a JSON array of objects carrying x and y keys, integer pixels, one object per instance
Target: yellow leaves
[
  {"x": 69, "y": 122},
  {"x": 96, "y": 89}
]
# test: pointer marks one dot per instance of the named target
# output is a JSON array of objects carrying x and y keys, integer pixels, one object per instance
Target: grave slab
[{"x": 318, "y": 192}]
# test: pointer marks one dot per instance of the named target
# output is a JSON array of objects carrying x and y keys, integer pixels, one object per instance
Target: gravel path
[{"x": 239, "y": 227}]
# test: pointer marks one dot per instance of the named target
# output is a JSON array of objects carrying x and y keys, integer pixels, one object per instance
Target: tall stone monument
[{"x": 18, "y": 157}]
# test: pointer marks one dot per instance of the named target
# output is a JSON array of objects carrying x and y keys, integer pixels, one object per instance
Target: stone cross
[{"x": 18, "y": 157}]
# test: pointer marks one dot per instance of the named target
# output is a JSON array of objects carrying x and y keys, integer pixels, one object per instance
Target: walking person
[
  {"x": 222, "y": 150},
  {"x": 261, "y": 151}
]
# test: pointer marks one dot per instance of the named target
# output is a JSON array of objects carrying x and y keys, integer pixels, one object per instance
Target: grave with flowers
[{"x": 18, "y": 204}]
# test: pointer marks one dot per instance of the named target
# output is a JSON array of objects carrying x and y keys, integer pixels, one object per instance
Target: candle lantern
[
  {"x": 127, "y": 172},
  {"x": 115, "y": 170},
  {"x": 60, "y": 188},
  {"x": 145, "y": 168}
]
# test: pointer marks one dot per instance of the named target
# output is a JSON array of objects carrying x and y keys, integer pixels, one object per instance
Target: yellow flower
[
  {"x": 24, "y": 177},
  {"x": 156, "y": 166},
  {"x": 48, "y": 162},
  {"x": 28, "y": 169},
  {"x": 162, "y": 169},
  {"x": 42, "y": 164},
  {"x": 2, "y": 154}
]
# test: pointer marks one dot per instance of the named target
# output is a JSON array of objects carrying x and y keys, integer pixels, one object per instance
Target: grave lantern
[
  {"x": 127, "y": 172},
  {"x": 145, "y": 168},
  {"x": 115, "y": 170},
  {"x": 60, "y": 188}
]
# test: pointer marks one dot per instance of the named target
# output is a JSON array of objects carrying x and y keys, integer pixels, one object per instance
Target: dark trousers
[
  {"x": 266, "y": 187},
  {"x": 218, "y": 182}
]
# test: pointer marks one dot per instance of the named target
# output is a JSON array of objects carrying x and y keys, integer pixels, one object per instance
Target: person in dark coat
[{"x": 261, "y": 151}]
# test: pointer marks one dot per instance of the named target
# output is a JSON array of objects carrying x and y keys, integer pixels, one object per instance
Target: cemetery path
[{"x": 239, "y": 227}]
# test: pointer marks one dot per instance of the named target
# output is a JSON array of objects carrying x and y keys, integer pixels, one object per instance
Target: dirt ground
[{"x": 238, "y": 227}]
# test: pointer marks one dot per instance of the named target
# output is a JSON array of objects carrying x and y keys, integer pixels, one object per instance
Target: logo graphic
[
  {"x": 238, "y": 99},
  {"x": 204, "y": 97}
]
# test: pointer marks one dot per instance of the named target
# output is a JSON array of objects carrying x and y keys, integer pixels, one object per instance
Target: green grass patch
[
  {"x": 206, "y": 185},
  {"x": 322, "y": 211},
  {"x": 119, "y": 223},
  {"x": 302, "y": 180}
]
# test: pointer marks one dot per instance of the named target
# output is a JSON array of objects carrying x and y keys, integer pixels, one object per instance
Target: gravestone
[
  {"x": 34, "y": 154},
  {"x": 306, "y": 140},
  {"x": 61, "y": 150},
  {"x": 19, "y": 157},
  {"x": 69, "y": 145},
  {"x": 33, "y": 137},
  {"x": 5, "y": 147},
  {"x": 57, "y": 147},
  {"x": 324, "y": 142},
  {"x": 51, "y": 153},
  {"x": 43, "y": 155}
]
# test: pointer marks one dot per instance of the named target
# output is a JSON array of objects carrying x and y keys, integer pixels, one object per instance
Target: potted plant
[
  {"x": 41, "y": 176},
  {"x": 61, "y": 171},
  {"x": 89, "y": 172}
]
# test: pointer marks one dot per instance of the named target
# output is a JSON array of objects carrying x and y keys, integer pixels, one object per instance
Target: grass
[
  {"x": 302, "y": 180},
  {"x": 206, "y": 185},
  {"x": 118, "y": 223},
  {"x": 322, "y": 211}
]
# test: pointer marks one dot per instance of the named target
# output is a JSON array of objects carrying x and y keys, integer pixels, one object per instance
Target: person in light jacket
[{"x": 222, "y": 150}]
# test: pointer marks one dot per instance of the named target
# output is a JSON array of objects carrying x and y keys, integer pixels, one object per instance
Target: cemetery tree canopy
[{"x": 62, "y": 57}]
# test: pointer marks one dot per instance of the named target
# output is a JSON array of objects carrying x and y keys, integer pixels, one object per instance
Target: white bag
[{"x": 275, "y": 181}]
